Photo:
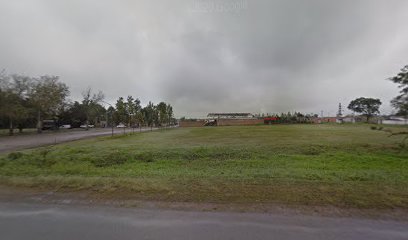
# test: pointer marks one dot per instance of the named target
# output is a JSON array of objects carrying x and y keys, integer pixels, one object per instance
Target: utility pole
[
  {"x": 340, "y": 111},
  {"x": 340, "y": 114}
]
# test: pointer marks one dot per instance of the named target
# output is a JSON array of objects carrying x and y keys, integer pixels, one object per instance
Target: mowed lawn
[{"x": 321, "y": 165}]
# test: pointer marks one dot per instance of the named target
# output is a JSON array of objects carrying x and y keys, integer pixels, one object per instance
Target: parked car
[
  {"x": 49, "y": 125},
  {"x": 66, "y": 126},
  {"x": 89, "y": 126},
  {"x": 121, "y": 125}
]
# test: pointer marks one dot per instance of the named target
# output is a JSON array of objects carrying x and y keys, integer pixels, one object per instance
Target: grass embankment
[{"x": 325, "y": 165}]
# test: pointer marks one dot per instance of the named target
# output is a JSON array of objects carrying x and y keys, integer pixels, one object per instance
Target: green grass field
[{"x": 321, "y": 165}]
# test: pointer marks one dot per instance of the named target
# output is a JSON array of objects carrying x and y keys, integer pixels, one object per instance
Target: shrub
[
  {"x": 15, "y": 155},
  {"x": 145, "y": 157},
  {"x": 312, "y": 150},
  {"x": 111, "y": 159}
]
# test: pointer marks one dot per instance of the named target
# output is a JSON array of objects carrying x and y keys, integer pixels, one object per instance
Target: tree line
[
  {"x": 288, "y": 118},
  {"x": 27, "y": 101},
  {"x": 369, "y": 107},
  {"x": 130, "y": 112},
  {"x": 366, "y": 106}
]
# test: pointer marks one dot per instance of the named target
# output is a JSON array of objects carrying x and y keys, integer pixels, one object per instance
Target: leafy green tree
[
  {"x": 138, "y": 111},
  {"x": 161, "y": 109},
  {"x": 401, "y": 101},
  {"x": 130, "y": 110},
  {"x": 13, "y": 100},
  {"x": 156, "y": 117},
  {"x": 140, "y": 119},
  {"x": 47, "y": 96},
  {"x": 366, "y": 106},
  {"x": 149, "y": 115},
  {"x": 111, "y": 120},
  {"x": 12, "y": 109},
  {"x": 169, "y": 111},
  {"x": 134, "y": 111},
  {"x": 73, "y": 114},
  {"x": 91, "y": 104},
  {"x": 121, "y": 111},
  {"x": 133, "y": 108}
]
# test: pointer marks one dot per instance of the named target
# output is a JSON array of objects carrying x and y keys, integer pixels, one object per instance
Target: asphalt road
[
  {"x": 42, "y": 222},
  {"x": 12, "y": 143}
]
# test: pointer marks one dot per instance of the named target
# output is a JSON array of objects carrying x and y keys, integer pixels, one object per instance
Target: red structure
[{"x": 271, "y": 120}]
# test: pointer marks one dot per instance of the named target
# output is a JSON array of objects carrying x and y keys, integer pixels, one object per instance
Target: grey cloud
[{"x": 270, "y": 56}]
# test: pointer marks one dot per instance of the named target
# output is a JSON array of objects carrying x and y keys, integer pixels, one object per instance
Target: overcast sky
[{"x": 212, "y": 55}]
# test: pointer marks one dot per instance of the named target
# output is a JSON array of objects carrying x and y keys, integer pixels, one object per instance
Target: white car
[
  {"x": 66, "y": 126},
  {"x": 121, "y": 125},
  {"x": 89, "y": 126}
]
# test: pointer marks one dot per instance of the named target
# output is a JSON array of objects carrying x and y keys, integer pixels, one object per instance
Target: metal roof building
[{"x": 230, "y": 115}]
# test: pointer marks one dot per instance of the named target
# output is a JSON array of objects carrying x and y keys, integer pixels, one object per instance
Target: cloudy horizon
[{"x": 212, "y": 55}]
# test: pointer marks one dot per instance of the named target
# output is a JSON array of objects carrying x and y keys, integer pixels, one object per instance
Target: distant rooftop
[{"x": 230, "y": 115}]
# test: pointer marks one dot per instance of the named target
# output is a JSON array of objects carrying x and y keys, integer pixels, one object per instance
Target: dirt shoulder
[{"x": 88, "y": 198}]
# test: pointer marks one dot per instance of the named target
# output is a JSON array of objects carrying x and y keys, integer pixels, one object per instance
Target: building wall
[
  {"x": 198, "y": 123},
  {"x": 222, "y": 122},
  {"x": 396, "y": 122},
  {"x": 325, "y": 120},
  {"x": 239, "y": 122}
]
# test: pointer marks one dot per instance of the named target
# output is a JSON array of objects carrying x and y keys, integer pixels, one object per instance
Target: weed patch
[
  {"x": 15, "y": 155},
  {"x": 111, "y": 159}
]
